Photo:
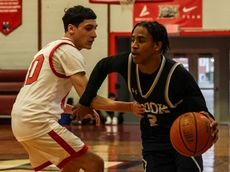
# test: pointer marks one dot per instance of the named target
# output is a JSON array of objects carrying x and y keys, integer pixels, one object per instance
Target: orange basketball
[{"x": 190, "y": 134}]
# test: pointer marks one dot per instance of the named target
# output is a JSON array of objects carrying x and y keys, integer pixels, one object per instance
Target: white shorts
[{"x": 56, "y": 147}]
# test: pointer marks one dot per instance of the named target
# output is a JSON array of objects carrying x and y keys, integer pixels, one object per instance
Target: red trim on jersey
[
  {"x": 63, "y": 101},
  {"x": 76, "y": 154},
  {"x": 61, "y": 142},
  {"x": 44, "y": 165},
  {"x": 51, "y": 59},
  {"x": 65, "y": 38},
  {"x": 68, "y": 148}
]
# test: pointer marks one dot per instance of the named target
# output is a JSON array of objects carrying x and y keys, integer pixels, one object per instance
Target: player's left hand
[
  {"x": 214, "y": 127},
  {"x": 214, "y": 130}
]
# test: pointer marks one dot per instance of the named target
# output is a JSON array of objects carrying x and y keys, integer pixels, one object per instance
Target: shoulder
[
  {"x": 179, "y": 70},
  {"x": 182, "y": 78},
  {"x": 180, "y": 73},
  {"x": 183, "y": 72},
  {"x": 117, "y": 63},
  {"x": 62, "y": 47},
  {"x": 123, "y": 55},
  {"x": 117, "y": 59},
  {"x": 68, "y": 50}
]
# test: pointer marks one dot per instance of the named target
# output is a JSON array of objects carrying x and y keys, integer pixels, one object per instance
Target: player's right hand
[{"x": 81, "y": 111}]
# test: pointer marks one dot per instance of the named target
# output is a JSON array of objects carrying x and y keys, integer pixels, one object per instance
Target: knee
[{"x": 98, "y": 164}]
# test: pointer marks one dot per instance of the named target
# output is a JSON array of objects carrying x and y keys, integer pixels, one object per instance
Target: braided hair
[{"x": 158, "y": 33}]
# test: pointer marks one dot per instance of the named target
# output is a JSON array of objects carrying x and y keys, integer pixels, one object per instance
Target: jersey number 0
[{"x": 34, "y": 70}]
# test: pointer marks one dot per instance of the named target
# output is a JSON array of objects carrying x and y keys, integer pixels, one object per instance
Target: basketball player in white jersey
[{"x": 53, "y": 71}]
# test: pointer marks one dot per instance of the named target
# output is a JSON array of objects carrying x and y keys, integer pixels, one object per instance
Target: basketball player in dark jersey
[{"x": 164, "y": 87}]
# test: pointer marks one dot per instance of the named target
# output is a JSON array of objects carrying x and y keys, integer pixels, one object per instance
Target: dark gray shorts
[{"x": 171, "y": 161}]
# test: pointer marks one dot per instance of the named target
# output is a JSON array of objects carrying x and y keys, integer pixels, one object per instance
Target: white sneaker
[
  {"x": 108, "y": 120},
  {"x": 115, "y": 121}
]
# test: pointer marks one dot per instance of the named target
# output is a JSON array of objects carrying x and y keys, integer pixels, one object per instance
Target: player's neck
[
  {"x": 68, "y": 36},
  {"x": 151, "y": 66}
]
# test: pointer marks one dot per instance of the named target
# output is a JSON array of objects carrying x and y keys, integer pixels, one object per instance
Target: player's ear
[
  {"x": 71, "y": 28},
  {"x": 157, "y": 46}
]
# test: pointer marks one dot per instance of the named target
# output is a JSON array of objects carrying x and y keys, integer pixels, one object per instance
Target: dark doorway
[{"x": 123, "y": 45}]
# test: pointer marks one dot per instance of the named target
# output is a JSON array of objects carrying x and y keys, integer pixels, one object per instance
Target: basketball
[{"x": 190, "y": 134}]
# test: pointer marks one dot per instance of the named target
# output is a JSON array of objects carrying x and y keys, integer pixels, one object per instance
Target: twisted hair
[{"x": 158, "y": 33}]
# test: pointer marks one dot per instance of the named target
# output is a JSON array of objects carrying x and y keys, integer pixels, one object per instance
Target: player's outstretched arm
[{"x": 101, "y": 103}]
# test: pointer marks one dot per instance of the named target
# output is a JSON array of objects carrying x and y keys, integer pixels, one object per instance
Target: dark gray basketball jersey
[
  {"x": 166, "y": 94},
  {"x": 152, "y": 91}
]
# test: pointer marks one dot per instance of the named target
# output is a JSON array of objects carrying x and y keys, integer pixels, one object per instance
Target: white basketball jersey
[{"x": 47, "y": 84}]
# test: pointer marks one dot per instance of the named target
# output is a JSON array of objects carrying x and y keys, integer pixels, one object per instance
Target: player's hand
[
  {"x": 214, "y": 127},
  {"x": 215, "y": 131},
  {"x": 80, "y": 111},
  {"x": 83, "y": 112},
  {"x": 97, "y": 118},
  {"x": 137, "y": 109},
  {"x": 68, "y": 109}
]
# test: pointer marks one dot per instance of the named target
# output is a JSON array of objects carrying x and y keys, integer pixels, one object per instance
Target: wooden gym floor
[{"x": 119, "y": 146}]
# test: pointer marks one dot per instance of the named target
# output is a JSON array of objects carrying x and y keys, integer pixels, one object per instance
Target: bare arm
[
  {"x": 99, "y": 73},
  {"x": 101, "y": 103},
  {"x": 79, "y": 82}
]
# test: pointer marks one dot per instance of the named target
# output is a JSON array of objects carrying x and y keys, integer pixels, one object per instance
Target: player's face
[
  {"x": 142, "y": 46},
  {"x": 84, "y": 34}
]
